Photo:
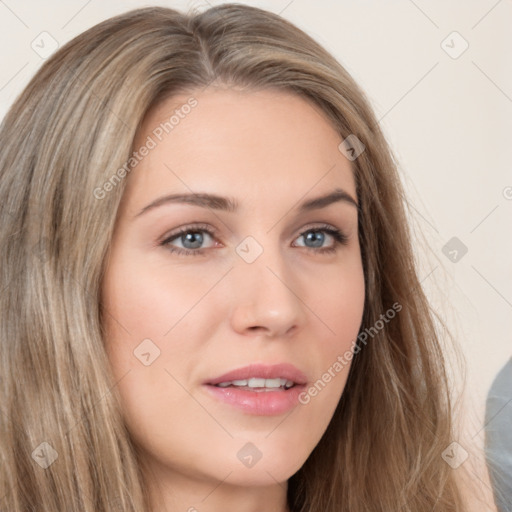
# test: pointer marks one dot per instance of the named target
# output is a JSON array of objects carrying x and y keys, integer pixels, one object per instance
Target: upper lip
[{"x": 283, "y": 370}]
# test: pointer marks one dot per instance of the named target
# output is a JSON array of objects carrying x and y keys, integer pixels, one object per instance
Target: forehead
[{"x": 268, "y": 142}]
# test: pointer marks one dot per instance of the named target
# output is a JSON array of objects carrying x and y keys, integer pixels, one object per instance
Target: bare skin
[{"x": 213, "y": 312}]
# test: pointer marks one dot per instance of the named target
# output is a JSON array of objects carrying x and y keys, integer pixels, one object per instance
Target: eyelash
[{"x": 339, "y": 239}]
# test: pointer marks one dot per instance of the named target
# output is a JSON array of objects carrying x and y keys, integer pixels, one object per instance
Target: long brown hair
[{"x": 64, "y": 137}]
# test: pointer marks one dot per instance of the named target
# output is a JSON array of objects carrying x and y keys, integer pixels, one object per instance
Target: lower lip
[{"x": 262, "y": 403}]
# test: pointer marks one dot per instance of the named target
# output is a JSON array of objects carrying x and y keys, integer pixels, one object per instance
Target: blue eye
[
  {"x": 192, "y": 237},
  {"x": 339, "y": 237}
]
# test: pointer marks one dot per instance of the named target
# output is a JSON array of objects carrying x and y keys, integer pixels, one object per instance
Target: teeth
[
  {"x": 274, "y": 383},
  {"x": 255, "y": 382}
]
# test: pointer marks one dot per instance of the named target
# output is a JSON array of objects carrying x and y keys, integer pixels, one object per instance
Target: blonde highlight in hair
[{"x": 70, "y": 129}]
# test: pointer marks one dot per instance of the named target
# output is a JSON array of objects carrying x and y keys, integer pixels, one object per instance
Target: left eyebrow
[
  {"x": 335, "y": 196},
  {"x": 230, "y": 204}
]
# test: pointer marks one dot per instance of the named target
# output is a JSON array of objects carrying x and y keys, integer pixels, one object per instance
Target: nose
[{"x": 266, "y": 297}]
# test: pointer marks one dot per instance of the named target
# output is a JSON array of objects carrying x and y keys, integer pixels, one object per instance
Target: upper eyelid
[{"x": 190, "y": 227}]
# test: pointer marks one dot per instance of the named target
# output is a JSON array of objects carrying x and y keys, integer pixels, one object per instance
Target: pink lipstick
[{"x": 259, "y": 389}]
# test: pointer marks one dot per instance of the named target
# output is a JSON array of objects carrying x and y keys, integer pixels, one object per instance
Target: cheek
[
  {"x": 154, "y": 326},
  {"x": 155, "y": 295},
  {"x": 339, "y": 305},
  {"x": 339, "y": 310}
]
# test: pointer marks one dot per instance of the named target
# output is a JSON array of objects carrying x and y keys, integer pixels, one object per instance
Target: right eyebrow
[{"x": 199, "y": 199}]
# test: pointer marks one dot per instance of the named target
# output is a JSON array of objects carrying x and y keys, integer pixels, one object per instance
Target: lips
[
  {"x": 261, "y": 371},
  {"x": 256, "y": 400}
]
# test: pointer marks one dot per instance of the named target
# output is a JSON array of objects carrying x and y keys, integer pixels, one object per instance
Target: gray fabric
[{"x": 498, "y": 437}]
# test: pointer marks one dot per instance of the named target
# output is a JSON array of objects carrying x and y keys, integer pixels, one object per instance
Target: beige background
[{"x": 449, "y": 121}]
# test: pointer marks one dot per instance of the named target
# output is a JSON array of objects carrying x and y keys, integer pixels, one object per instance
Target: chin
[
  {"x": 263, "y": 474},
  {"x": 275, "y": 465}
]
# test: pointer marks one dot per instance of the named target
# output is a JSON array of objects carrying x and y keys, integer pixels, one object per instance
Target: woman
[{"x": 209, "y": 294}]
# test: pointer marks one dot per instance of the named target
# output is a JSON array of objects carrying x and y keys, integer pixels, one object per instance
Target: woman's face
[{"x": 197, "y": 288}]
